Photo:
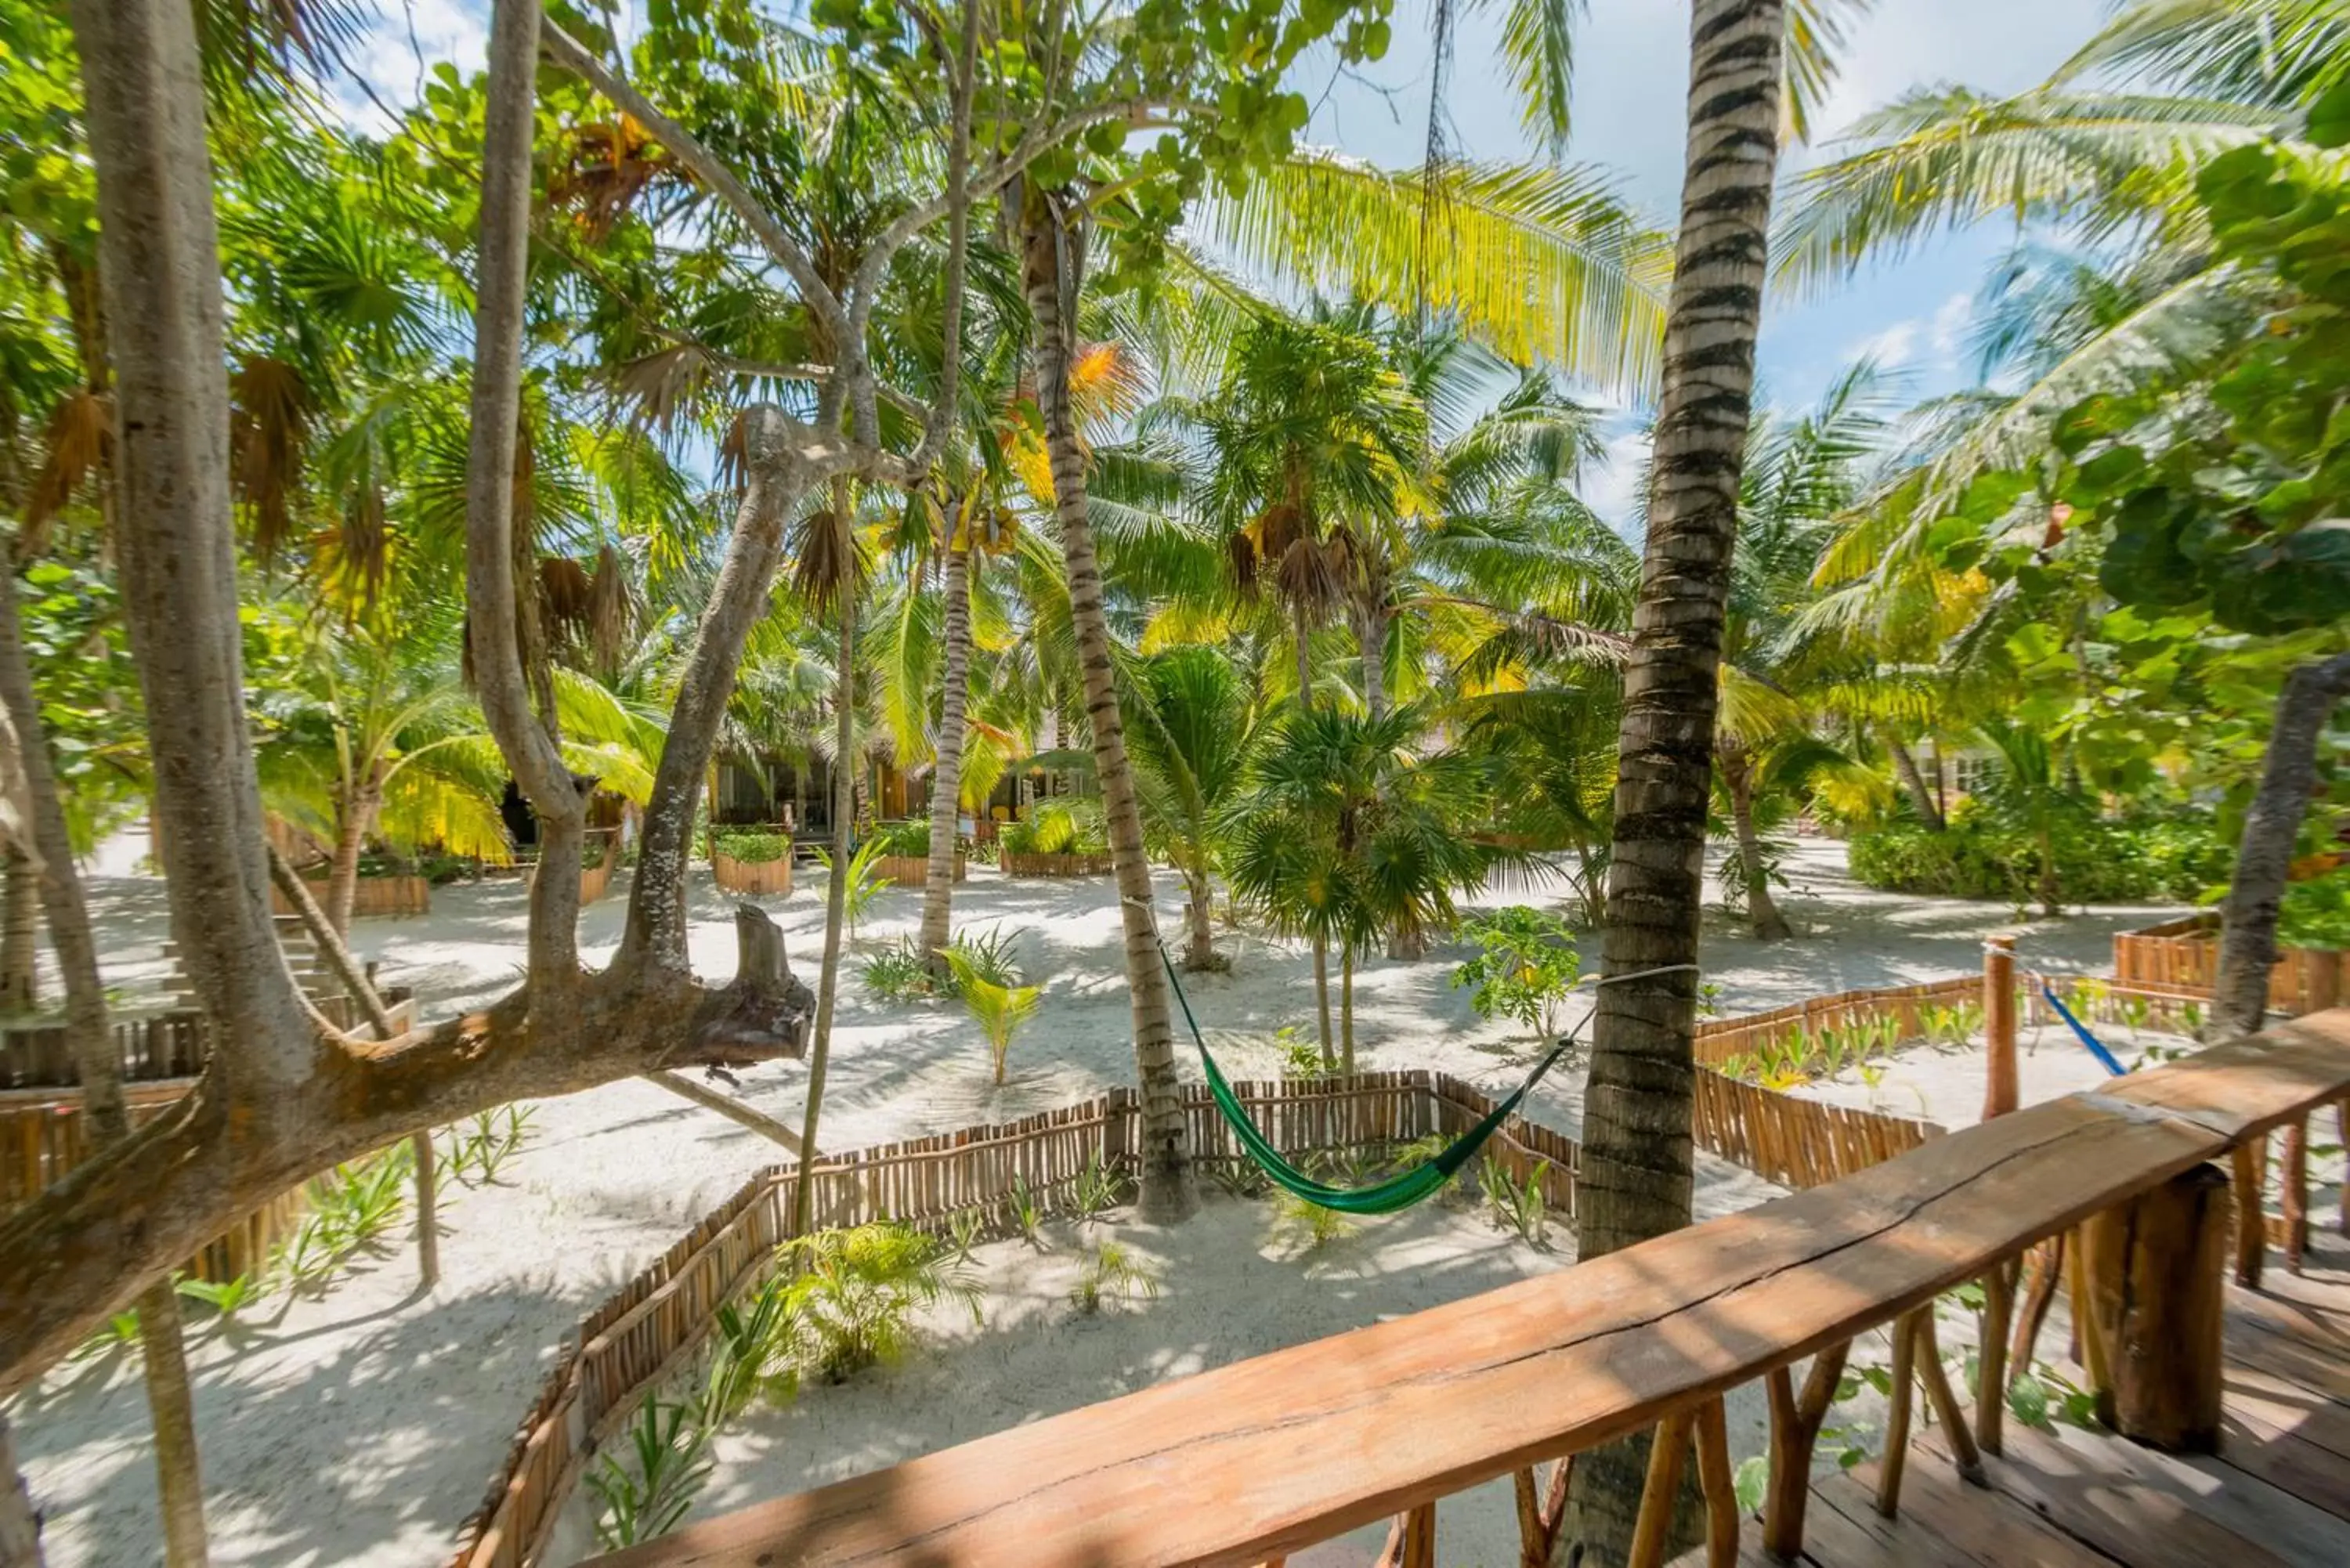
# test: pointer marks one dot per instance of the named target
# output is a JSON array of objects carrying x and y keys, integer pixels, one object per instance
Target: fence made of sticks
[
  {"x": 652, "y": 1328},
  {"x": 2184, "y": 955},
  {"x": 44, "y": 1135},
  {"x": 158, "y": 1046},
  {"x": 1722, "y": 1041}
]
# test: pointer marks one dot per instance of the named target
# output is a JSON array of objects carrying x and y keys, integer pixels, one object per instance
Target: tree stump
[{"x": 2156, "y": 1276}]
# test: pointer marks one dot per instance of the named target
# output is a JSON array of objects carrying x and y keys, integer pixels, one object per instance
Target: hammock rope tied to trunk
[{"x": 1397, "y": 1192}]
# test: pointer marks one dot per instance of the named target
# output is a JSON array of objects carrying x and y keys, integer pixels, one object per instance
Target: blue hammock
[{"x": 2096, "y": 1048}]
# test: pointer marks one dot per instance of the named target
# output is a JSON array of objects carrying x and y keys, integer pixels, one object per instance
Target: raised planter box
[
  {"x": 758, "y": 878},
  {"x": 2184, "y": 954},
  {"x": 914, "y": 870},
  {"x": 1055, "y": 864},
  {"x": 393, "y": 896}
]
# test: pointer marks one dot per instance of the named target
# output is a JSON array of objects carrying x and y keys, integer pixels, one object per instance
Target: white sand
[{"x": 361, "y": 1427}]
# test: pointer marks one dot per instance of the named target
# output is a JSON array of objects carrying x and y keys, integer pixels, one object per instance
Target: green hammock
[{"x": 1382, "y": 1198}]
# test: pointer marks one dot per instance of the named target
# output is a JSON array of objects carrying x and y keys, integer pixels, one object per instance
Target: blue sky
[{"x": 1630, "y": 90}]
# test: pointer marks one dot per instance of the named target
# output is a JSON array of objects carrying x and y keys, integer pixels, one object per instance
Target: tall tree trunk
[
  {"x": 1637, "y": 1146},
  {"x": 1200, "y": 954},
  {"x": 1301, "y": 633},
  {"x": 499, "y": 577},
  {"x": 1322, "y": 1000},
  {"x": 91, "y": 1043},
  {"x": 20, "y": 933},
  {"x": 20, "y": 1532},
  {"x": 2248, "y": 945},
  {"x": 1347, "y": 1007},
  {"x": 946, "y": 776},
  {"x": 1372, "y": 636},
  {"x": 1929, "y": 810},
  {"x": 1762, "y": 911},
  {"x": 353, "y": 823},
  {"x": 835, "y": 890},
  {"x": 1051, "y": 271},
  {"x": 159, "y": 277}
]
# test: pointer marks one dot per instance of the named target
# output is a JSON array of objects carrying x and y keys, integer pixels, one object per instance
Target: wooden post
[
  {"x": 428, "y": 1226},
  {"x": 1652, "y": 1532},
  {"x": 1991, "y": 1374},
  {"x": 2249, "y": 1163},
  {"x": 2155, "y": 1269},
  {"x": 1794, "y": 1432},
  {"x": 1539, "y": 1514},
  {"x": 2293, "y": 1174},
  {"x": 1930, "y": 1372},
  {"x": 1896, "y": 1414},
  {"x": 1720, "y": 1486},
  {"x": 1999, "y": 1094}
]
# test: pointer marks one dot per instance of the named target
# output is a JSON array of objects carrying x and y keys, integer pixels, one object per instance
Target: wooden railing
[
  {"x": 158, "y": 1046},
  {"x": 652, "y": 1327},
  {"x": 1255, "y": 1460},
  {"x": 2184, "y": 955}
]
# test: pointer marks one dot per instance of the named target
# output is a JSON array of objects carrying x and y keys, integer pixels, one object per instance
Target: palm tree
[
  {"x": 1350, "y": 833},
  {"x": 1051, "y": 273},
  {"x": 1636, "y": 1122},
  {"x": 1196, "y": 734}
]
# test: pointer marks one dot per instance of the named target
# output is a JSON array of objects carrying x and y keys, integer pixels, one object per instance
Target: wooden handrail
[{"x": 1266, "y": 1457}]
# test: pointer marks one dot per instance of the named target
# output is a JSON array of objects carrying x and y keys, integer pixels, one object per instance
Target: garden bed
[
  {"x": 914, "y": 870},
  {"x": 395, "y": 897},
  {"x": 754, "y": 879}
]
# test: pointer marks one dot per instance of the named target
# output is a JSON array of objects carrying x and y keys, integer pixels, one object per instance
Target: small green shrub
[
  {"x": 863, "y": 883},
  {"x": 1526, "y": 968},
  {"x": 1517, "y": 1207},
  {"x": 1027, "y": 1211},
  {"x": 897, "y": 973},
  {"x": 1002, "y": 1010},
  {"x": 1059, "y": 827},
  {"x": 909, "y": 838},
  {"x": 756, "y": 849},
  {"x": 1097, "y": 1190},
  {"x": 478, "y": 1148},
  {"x": 645, "y": 1490},
  {"x": 352, "y": 1207},
  {"x": 225, "y": 1298},
  {"x": 2316, "y": 913},
  {"x": 987, "y": 954},
  {"x": 855, "y": 1292},
  {"x": 1984, "y": 855},
  {"x": 1109, "y": 1273},
  {"x": 1309, "y": 1224}
]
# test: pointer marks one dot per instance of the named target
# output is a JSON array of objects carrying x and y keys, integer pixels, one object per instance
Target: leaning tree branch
[
  {"x": 81, "y": 1249},
  {"x": 705, "y": 166}
]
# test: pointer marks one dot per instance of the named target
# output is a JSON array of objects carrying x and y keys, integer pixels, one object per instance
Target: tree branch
[{"x": 704, "y": 165}]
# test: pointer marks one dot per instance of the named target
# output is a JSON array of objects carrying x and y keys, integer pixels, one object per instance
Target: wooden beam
[
  {"x": 1714, "y": 1478},
  {"x": 1898, "y": 1402},
  {"x": 1794, "y": 1434},
  {"x": 726, "y": 1105},
  {"x": 1991, "y": 1374}
]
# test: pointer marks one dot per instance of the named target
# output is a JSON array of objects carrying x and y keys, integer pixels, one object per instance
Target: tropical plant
[
  {"x": 1518, "y": 1206},
  {"x": 1307, "y": 1224},
  {"x": 1096, "y": 1191},
  {"x": 1526, "y": 967},
  {"x": 1002, "y": 1010},
  {"x": 1058, "y": 827},
  {"x": 1196, "y": 734},
  {"x": 645, "y": 1490},
  {"x": 752, "y": 848},
  {"x": 1111, "y": 1273},
  {"x": 862, "y": 883},
  {"x": 898, "y": 973},
  {"x": 855, "y": 1294}
]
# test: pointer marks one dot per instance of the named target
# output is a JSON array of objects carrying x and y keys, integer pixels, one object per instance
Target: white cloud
[
  {"x": 1611, "y": 487},
  {"x": 1933, "y": 343}
]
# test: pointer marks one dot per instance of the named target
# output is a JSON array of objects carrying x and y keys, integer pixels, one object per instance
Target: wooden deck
[{"x": 2276, "y": 1496}]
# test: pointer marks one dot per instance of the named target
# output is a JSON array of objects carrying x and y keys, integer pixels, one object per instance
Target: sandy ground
[{"x": 361, "y": 1426}]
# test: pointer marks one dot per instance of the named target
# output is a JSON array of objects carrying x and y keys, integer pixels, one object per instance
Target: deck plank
[
  {"x": 2293, "y": 1464},
  {"x": 1983, "y": 1528}
]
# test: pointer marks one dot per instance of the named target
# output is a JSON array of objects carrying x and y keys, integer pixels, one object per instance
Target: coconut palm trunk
[
  {"x": 88, "y": 1038},
  {"x": 1199, "y": 953},
  {"x": 946, "y": 775},
  {"x": 353, "y": 822},
  {"x": 1322, "y": 1000},
  {"x": 1372, "y": 634},
  {"x": 835, "y": 892},
  {"x": 20, "y": 932},
  {"x": 1761, "y": 910},
  {"x": 1051, "y": 268},
  {"x": 1637, "y": 1146},
  {"x": 2248, "y": 945},
  {"x": 1913, "y": 779}
]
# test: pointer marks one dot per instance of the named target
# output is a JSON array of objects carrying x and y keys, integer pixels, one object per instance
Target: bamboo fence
[
  {"x": 1014, "y": 863},
  {"x": 371, "y": 896},
  {"x": 1722, "y": 1040},
  {"x": 44, "y": 1135},
  {"x": 650, "y": 1330},
  {"x": 1795, "y": 1142},
  {"x": 2184, "y": 955},
  {"x": 158, "y": 1046},
  {"x": 914, "y": 870}
]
